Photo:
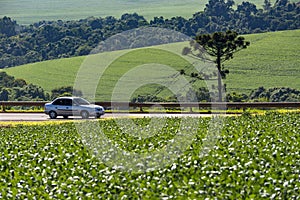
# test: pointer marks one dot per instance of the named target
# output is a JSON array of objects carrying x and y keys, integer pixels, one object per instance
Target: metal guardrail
[{"x": 127, "y": 105}]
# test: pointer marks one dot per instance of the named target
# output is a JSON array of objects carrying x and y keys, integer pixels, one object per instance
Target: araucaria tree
[{"x": 217, "y": 47}]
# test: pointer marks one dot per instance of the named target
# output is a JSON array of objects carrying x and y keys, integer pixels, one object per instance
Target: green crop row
[{"x": 253, "y": 157}]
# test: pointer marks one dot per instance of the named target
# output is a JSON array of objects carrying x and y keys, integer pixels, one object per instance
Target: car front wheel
[
  {"x": 84, "y": 114},
  {"x": 52, "y": 115}
]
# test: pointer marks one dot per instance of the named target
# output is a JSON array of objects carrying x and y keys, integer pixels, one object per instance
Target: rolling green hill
[
  {"x": 128, "y": 68},
  {"x": 271, "y": 61},
  {"x": 30, "y": 11}
]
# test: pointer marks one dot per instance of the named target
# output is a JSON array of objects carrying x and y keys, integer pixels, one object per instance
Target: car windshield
[{"x": 81, "y": 101}]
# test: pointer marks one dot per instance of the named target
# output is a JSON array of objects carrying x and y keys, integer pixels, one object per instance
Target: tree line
[
  {"x": 12, "y": 89},
  {"x": 16, "y": 89},
  {"x": 46, "y": 40},
  {"x": 202, "y": 94}
]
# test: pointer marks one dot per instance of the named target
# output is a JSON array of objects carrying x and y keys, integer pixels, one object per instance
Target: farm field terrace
[{"x": 254, "y": 157}]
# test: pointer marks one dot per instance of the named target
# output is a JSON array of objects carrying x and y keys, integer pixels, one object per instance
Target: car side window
[
  {"x": 68, "y": 102},
  {"x": 58, "y": 102}
]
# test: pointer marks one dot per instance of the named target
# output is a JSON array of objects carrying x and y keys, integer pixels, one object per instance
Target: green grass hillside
[
  {"x": 30, "y": 11},
  {"x": 119, "y": 73},
  {"x": 270, "y": 61}
]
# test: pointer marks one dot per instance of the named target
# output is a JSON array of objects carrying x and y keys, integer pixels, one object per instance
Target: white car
[{"x": 73, "y": 106}]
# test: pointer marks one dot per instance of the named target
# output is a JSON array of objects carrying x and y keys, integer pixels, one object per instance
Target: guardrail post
[
  {"x": 3, "y": 107},
  {"x": 141, "y": 108}
]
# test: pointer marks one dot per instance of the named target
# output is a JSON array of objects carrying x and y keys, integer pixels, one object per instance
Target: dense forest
[{"x": 46, "y": 40}]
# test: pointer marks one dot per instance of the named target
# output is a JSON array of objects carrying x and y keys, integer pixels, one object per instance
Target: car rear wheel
[
  {"x": 52, "y": 115},
  {"x": 97, "y": 116},
  {"x": 84, "y": 114}
]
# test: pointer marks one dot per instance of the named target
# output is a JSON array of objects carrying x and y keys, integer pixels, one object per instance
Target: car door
[
  {"x": 68, "y": 107},
  {"x": 63, "y": 106},
  {"x": 59, "y": 106},
  {"x": 76, "y": 108}
]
